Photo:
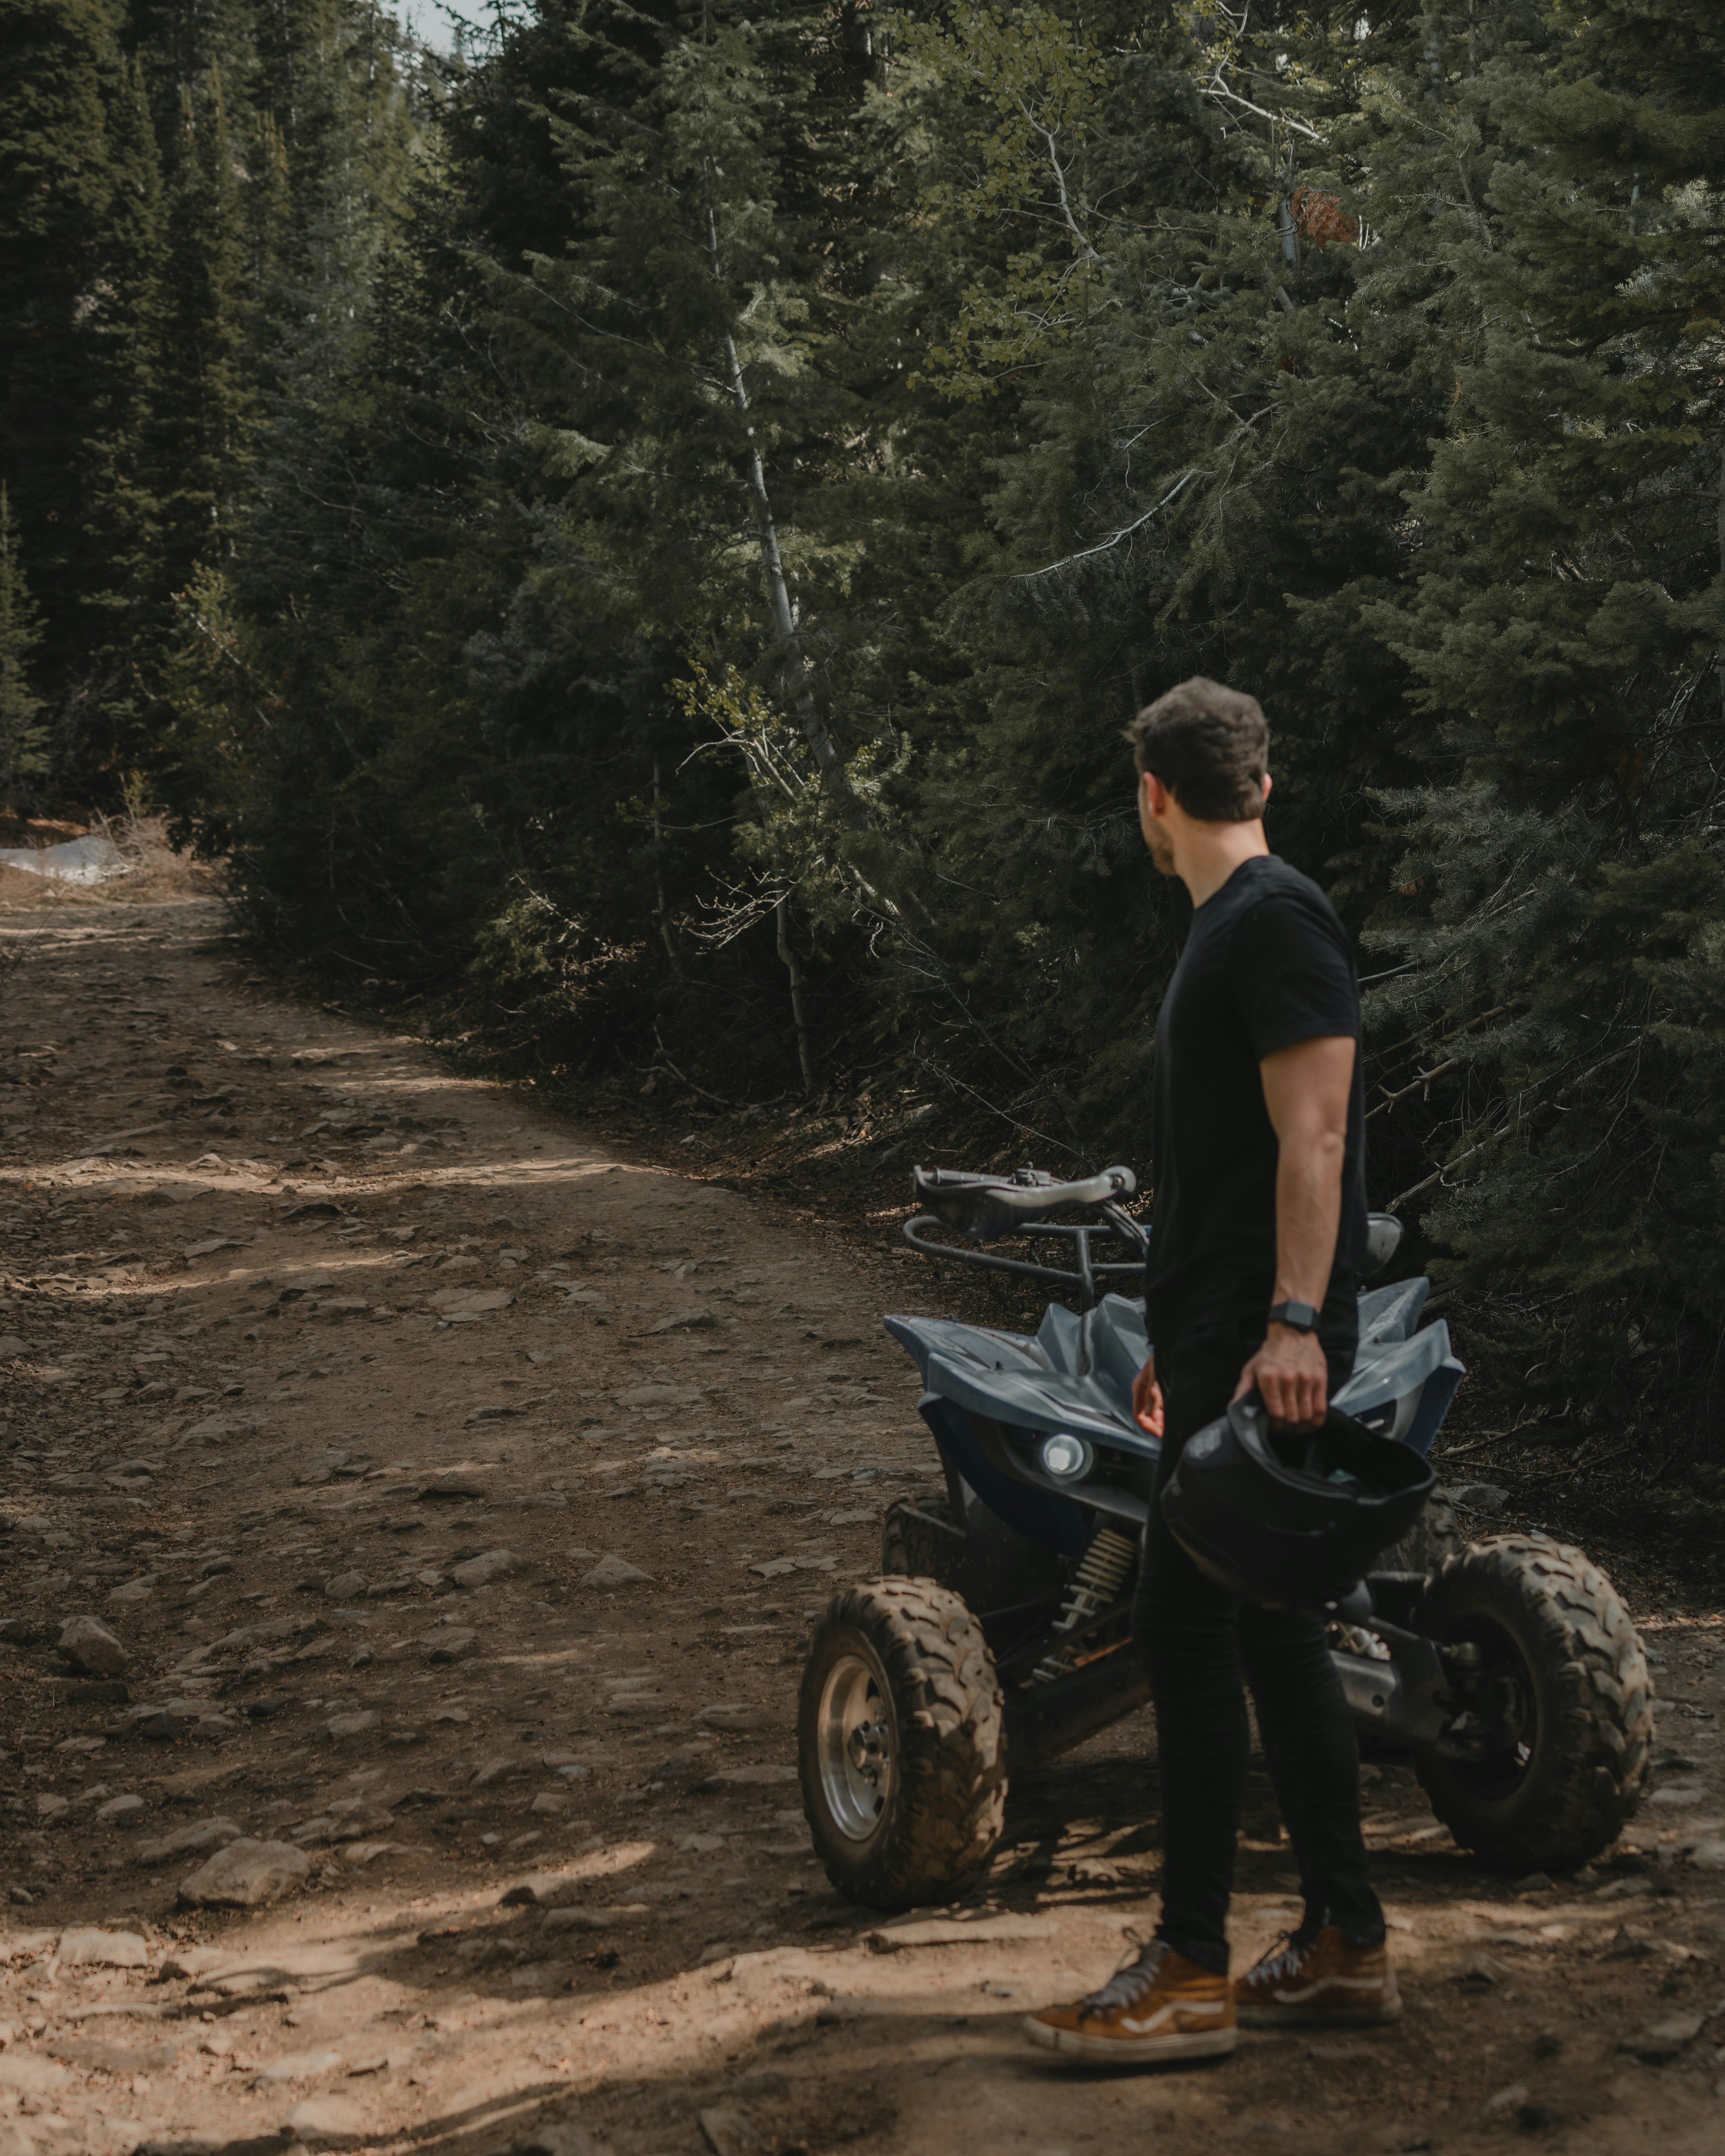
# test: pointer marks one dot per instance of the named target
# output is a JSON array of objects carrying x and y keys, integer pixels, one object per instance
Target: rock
[
  {"x": 119, "y": 1807},
  {"x": 10, "y": 1344},
  {"x": 576, "y": 1920},
  {"x": 457, "y": 1484},
  {"x": 700, "y": 1845},
  {"x": 745, "y": 1778},
  {"x": 1479, "y": 1496},
  {"x": 190, "y": 1841},
  {"x": 1708, "y": 1856},
  {"x": 190, "y": 1963},
  {"x": 549, "y": 1801},
  {"x": 662, "y": 1396},
  {"x": 342, "y": 1727},
  {"x": 1662, "y": 2041},
  {"x": 451, "y": 1643},
  {"x": 92, "y": 1648},
  {"x": 748, "y": 1719},
  {"x": 557, "y": 2137},
  {"x": 269, "y": 1634},
  {"x": 89, "y": 1948},
  {"x": 345, "y": 1586},
  {"x": 952, "y": 1932},
  {"x": 245, "y": 1874},
  {"x": 774, "y": 1568},
  {"x": 477, "y": 1571},
  {"x": 729, "y": 2131},
  {"x": 134, "y": 1590},
  {"x": 328, "y": 2121},
  {"x": 1506, "y": 2101},
  {"x": 217, "y": 1430},
  {"x": 611, "y": 1571},
  {"x": 470, "y": 1301},
  {"x": 298, "y": 2066},
  {"x": 541, "y": 1890},
  {"x": 29, "y": 2076},
  {"x": 497, "y": 1770},
  {"x": 1677, "y": 1796},
  {"x": 684, "y": 1321},
  {"x": 50, "y": 1807},
  {"x": 90, "y": 2052}
]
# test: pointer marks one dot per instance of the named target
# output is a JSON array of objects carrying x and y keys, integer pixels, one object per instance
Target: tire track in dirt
[{"x": 457, "y": 1493}]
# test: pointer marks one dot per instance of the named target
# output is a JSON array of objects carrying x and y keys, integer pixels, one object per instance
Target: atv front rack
[{"x": 1088, "y": 1277}]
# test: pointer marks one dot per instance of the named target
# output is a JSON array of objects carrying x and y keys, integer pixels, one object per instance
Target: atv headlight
[{"x": 1066, "y": 1456}]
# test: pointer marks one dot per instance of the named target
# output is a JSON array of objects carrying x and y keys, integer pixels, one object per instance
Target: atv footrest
[{"x": 1044, "y": 1720}]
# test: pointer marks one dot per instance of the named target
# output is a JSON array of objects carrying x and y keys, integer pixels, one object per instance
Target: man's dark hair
[{"x": 1208, "y": 746}]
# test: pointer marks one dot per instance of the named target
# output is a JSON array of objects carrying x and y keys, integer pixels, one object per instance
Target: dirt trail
[{"x": 458, "y": 1492}]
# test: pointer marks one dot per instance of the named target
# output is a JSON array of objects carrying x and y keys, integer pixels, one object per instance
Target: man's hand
[
  {"x": 1146, "y": 1400},
  {"x": 1292, "y": 1372}
]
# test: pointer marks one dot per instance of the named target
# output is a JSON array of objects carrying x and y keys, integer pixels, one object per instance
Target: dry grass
[{"x": 155, "y": 872}]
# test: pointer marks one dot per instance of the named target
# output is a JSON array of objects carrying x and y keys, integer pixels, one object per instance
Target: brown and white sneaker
[
  {"x": 1321, "y": 1980},
  {"x": 1159, "y": 2008}
]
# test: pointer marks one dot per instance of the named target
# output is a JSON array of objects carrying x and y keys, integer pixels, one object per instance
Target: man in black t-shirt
[{"x": 1256, "y": 1236}]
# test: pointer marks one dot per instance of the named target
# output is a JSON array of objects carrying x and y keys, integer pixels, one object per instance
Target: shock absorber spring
[{"x": 1103, "y": 1571}]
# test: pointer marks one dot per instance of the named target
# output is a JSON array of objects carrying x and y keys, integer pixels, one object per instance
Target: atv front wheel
[
  {"x": 901, "y": 1743},
  {"x": 1563, "y": 1694}
]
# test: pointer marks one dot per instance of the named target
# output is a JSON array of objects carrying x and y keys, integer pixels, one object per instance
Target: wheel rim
[
  {"x": 856, "y": 1746},
  {"x": 1509, "y": 1705}
]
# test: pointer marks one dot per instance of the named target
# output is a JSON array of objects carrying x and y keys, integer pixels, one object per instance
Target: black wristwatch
[{"x": 1297, "y": 1317}]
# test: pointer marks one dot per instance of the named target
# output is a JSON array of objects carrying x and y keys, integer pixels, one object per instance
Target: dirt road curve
[{"x": 457, "y": 1494}]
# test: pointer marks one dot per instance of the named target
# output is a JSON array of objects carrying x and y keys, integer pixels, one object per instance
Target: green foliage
[
  {"x": 1030, "y": 85},
  {"x": 191, "y": 199}
]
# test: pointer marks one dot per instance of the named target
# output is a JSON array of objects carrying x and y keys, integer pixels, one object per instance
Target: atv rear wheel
[
  {"x": 1435, "y": 1535},
  {"x": 901, "y": 1744},
  {"x": 1564, "y": 1696}
]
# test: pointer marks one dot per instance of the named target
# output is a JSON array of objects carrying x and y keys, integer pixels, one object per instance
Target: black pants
[{"x": 1196, "y": 1640}]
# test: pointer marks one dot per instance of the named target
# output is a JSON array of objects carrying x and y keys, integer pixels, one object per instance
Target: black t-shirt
[{"x": 1267, "y": 964}]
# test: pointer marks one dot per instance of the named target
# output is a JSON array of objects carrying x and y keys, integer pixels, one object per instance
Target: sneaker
[
  {"x": 1158, "y": 2008},
  {"x": 1319, "y": 1979}
]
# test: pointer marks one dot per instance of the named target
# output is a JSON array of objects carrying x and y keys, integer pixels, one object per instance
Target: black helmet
[{"x": 1291, "y": 1518}]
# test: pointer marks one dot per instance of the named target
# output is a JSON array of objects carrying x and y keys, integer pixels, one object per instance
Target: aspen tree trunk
[
  {"x": 665, "y": 926},
  {"x": 805, "y": 1050},
  {"x": 783, "y": 611}
]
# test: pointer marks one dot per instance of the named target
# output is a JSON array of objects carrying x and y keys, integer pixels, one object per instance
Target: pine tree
[
  {"x": 1563, "y": 894},
  {"x": 56, "y": 189},
  {"x": 206, "y": 406},
  {"x": 21, "y": 737}
]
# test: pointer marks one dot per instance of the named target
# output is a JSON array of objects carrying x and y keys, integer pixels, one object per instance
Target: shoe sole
[
  {"x": 1319, "y": 2017},
  {"x": 1130, "y": 2051}
]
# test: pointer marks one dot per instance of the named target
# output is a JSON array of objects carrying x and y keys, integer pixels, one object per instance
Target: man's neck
[{"x": 1206, "y": 854}]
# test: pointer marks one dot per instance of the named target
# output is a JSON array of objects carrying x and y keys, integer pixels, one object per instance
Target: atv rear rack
[{"x": 1089, "y": 1278}]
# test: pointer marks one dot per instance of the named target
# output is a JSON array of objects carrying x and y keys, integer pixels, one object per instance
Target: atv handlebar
[{"x": 985, "y": 1206}]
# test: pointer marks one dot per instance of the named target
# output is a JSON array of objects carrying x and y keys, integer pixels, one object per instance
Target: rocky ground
[{"x": 457, "y": 1493}]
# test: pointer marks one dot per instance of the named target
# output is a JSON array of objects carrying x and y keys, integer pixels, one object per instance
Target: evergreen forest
[{"x": 646, "y": 527}]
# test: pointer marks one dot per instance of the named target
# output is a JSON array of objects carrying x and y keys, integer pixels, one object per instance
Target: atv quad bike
[{"x": 999, "y": 1635}]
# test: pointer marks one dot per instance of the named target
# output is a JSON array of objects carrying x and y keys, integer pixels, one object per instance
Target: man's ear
[
  {"x": 1268, "y": 782},
  {"x": 1156, "y": 794}
]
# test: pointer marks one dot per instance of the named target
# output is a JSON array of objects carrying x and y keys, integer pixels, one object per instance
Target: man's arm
[{"x": 1306, "y": 1089}]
